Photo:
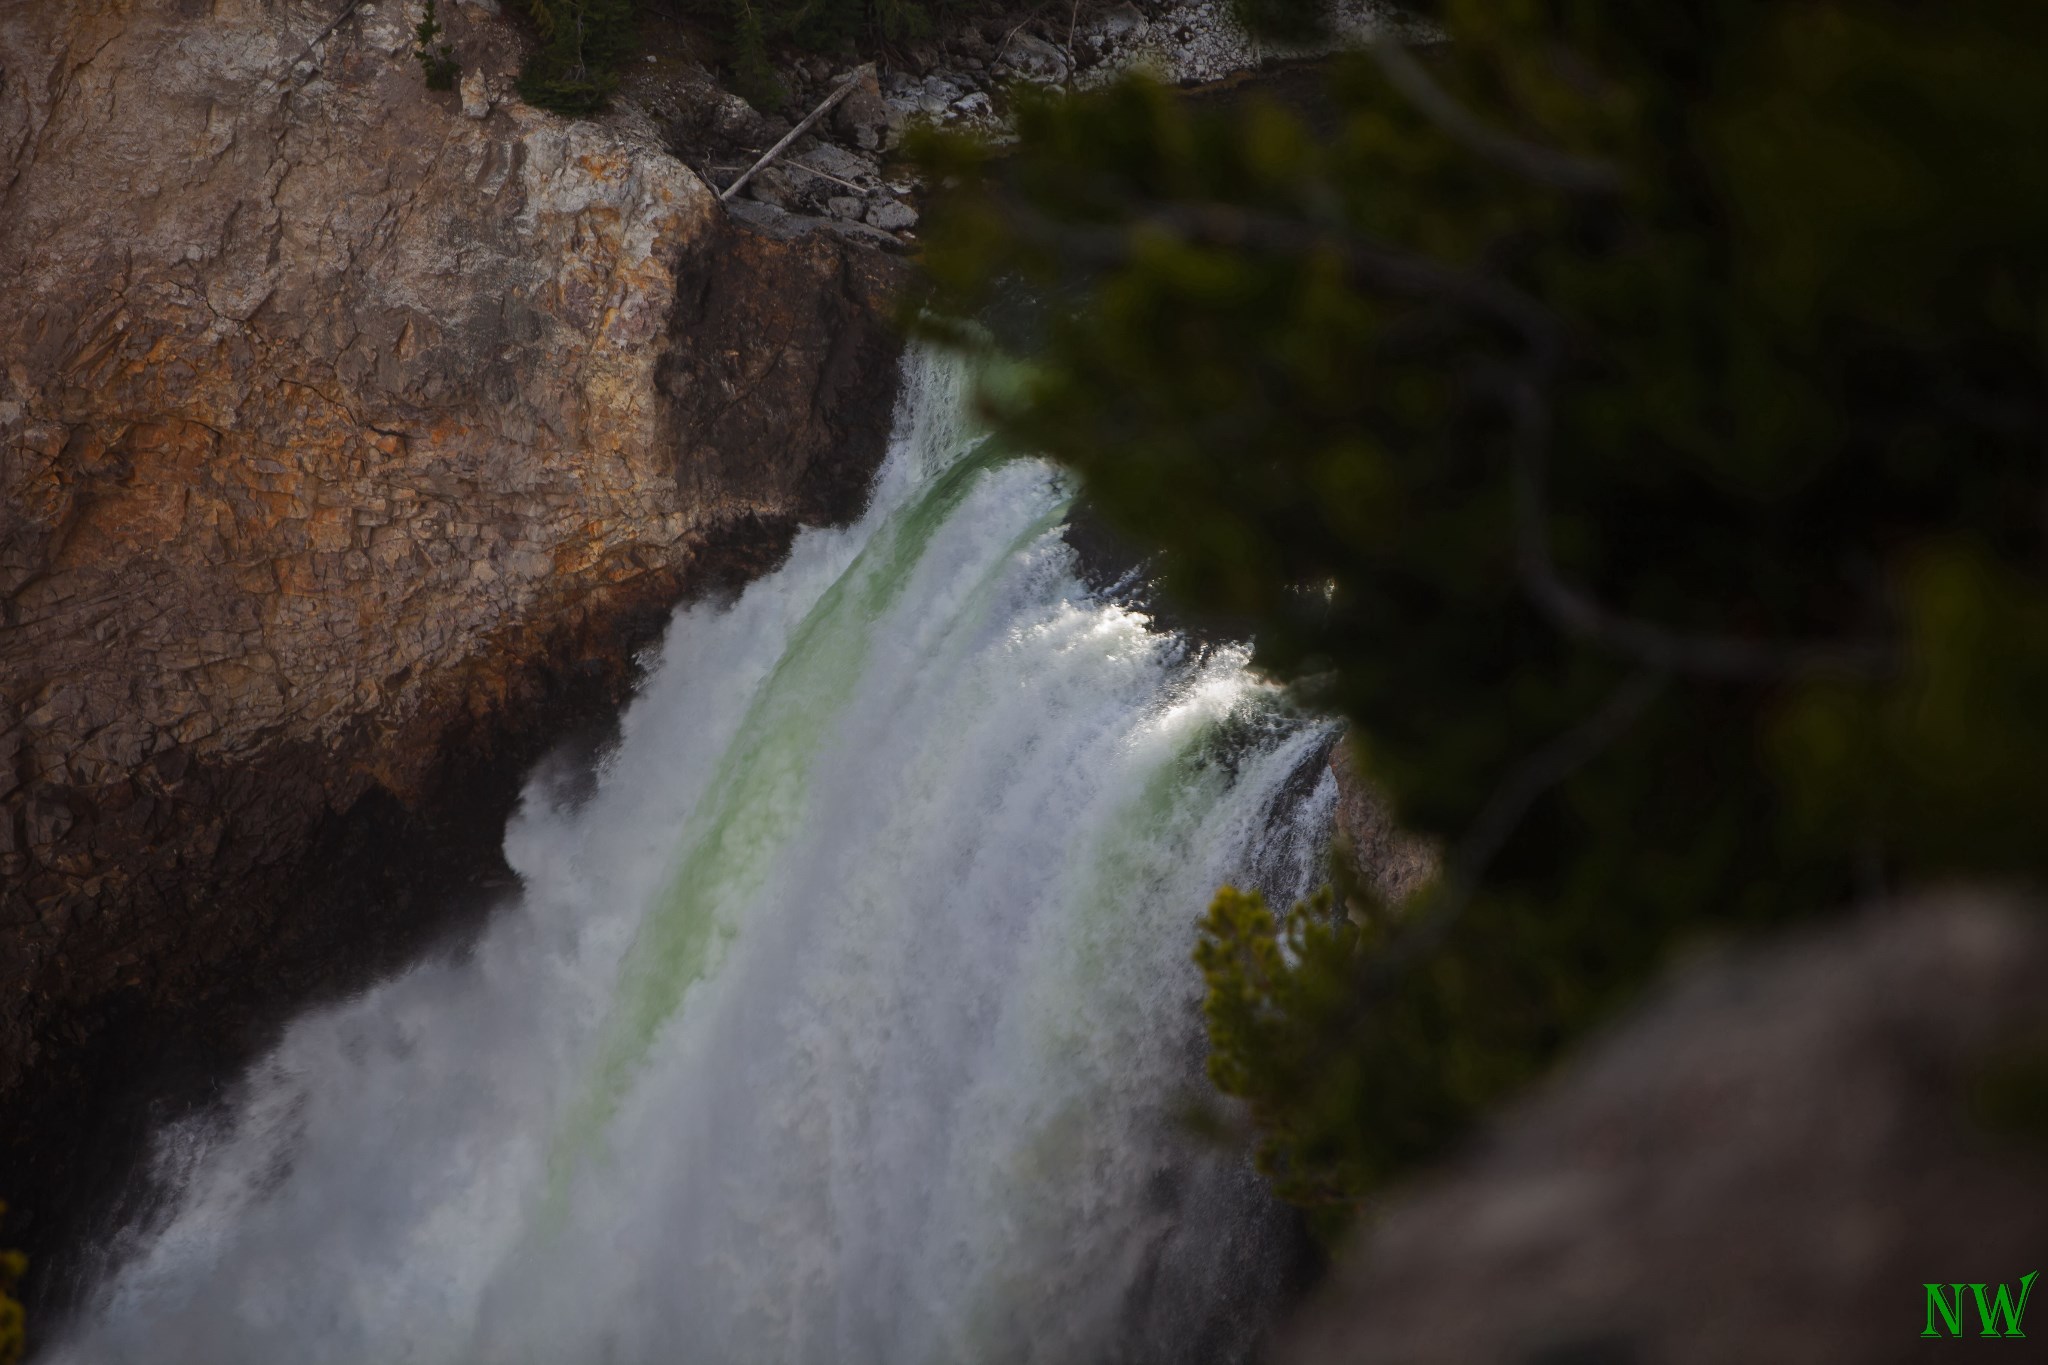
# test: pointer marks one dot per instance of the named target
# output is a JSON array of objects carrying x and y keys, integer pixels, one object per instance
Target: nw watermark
[{"x": 1998, "y": 1315}]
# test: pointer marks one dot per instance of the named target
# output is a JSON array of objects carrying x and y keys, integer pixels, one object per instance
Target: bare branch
[
  {"x": 1400, "y": 274},
  {"x": 1004, "y": 46},
  {"x": 1503, "y": 811},
  {"x": 1382, "y": 267},
  {"x": 1650, "y": 644},
  {"x": 845, "y": 88},
  {"x": 794, "y": 164},
  {"x": 1528, "y": 160}
]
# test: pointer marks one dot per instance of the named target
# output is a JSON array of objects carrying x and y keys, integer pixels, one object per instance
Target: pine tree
[
  {"x": 435, "y": 55},
  {"x": 1630, "y": 418},
  {"x": 583, "y": 43}
]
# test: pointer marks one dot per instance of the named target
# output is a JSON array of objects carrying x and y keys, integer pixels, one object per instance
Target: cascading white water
[{"x": 847, "y": 1020}]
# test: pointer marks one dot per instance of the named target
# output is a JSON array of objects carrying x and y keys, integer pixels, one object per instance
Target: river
[{"x": 844, "y": 1014}]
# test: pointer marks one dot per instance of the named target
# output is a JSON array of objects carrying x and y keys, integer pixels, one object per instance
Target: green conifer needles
[{"x": 433, "y": 52}]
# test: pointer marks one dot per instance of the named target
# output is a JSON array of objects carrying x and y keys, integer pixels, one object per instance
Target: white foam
[{"x": 941, "y": 825}]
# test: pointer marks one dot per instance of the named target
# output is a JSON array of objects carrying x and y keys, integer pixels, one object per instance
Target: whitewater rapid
[{"x": 848, "y": 1017}]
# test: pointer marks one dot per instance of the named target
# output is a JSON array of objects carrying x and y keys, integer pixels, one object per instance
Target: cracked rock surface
[{"x": 345, "y": 428}]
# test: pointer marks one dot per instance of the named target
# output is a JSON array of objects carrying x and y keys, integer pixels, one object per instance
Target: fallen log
[{"x": 845, "y": 88}]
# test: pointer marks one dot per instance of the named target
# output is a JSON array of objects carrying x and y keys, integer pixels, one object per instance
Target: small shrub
[
  {"x": 1630, "y": 418},
  {"x": 433, "y": 52},
  {"x": 750, "y": 29},
  {"x": 582, "y": 45},
  {"x": 753, "y": 75}
]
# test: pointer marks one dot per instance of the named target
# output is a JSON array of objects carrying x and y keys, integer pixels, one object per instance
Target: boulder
[
  {"x": 835, "y": 160},
  {"x": 476, "y": 98},
  {"x": 782, "y": 186},
  {"x": 862, "y": 118},
  {"x": 891, "y": 215},
  {"x": 1035, "y": 59},
  {"x": 1767, "y": 1162}
]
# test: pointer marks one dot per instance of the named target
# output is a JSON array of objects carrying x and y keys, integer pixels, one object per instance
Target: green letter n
[
  {"x": 1951, "y": 1313},
  {"x": 2002, "y": 1309}
]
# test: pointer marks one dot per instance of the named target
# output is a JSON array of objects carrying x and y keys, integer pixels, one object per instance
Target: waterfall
[{"x": 846, "y": 1017}]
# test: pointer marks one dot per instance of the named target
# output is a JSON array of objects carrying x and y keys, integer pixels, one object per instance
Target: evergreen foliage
[
  {"x": 751, "y": 28},
  {"x": 1631, "y": 418},
  {"x": 753, "y": 76},
  {"x": 433, "y": 52},
  {"x": 582, "y": 45},
  {"x": 834, "y": 25}
]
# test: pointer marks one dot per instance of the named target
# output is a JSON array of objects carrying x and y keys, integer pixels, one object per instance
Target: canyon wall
[{"x": 352, "y": 437}]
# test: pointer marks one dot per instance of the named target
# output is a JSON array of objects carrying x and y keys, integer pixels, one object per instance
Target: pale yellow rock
[
  {"x": 261, "y": 306},
  {"x": 337, "y": 429},
  {"x": 476, "y": 99}
]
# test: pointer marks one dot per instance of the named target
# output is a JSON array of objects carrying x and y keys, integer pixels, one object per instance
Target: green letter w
[
  {"x": 2002, "y": 1309},
  {"x": 1951, "y": 1313}
]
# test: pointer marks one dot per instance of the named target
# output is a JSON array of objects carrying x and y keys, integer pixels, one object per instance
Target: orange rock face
[{"x": 342, "y": 434}]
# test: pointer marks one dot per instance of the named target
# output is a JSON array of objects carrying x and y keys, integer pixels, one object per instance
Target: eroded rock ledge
[{"x": 349, "y": 445}]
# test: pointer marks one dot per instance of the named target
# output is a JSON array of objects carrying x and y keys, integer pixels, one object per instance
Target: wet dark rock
[
  {"x": 781, "y": 386},
  {"x": 1392, "y": 862}
]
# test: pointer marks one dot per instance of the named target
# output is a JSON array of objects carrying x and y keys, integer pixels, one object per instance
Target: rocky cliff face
[
  {"x": 1391, "y": 862},
  {"x": 348, "y": 433}
]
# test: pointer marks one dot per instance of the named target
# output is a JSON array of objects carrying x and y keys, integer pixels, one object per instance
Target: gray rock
[
  {"x": 769, "y": 220},
  {"x": 476, "y": 99},
  {"x": 861, "y": 233},
  {"x": 1764, "y": 1164},
  {"x": 836, "y": 160},
  {"x": 778, "y": 185},
  {"x": 1035, "y": 59},
  {"x": 862, "y": 117},
  {"x": 891, "y": 215},
  {"x": 733, "y": 119},
  {"x": 1122, "y": 22},
  {"x": 845, "y": 206}
]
